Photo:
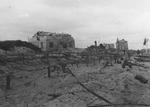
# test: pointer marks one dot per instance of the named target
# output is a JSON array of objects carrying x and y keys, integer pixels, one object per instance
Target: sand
[{"x": 30, "y": 86}]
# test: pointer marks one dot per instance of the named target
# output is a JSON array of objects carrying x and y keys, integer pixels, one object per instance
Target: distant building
[
  {"x": 122, "y": 44},
  {"x": 109, "y": 46},
  {"x": 52, "y": 41},
  {"x": 146, "y": 51}
]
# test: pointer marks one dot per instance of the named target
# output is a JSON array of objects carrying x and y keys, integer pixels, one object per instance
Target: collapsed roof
[{"x": 42, "y": 33}]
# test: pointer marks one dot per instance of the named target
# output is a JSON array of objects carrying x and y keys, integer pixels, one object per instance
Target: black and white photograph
[{"x": 74, "y": 53}]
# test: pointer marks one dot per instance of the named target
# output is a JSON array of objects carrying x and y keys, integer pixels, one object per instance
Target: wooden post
[
  {"x": 94, "y": 60},
  {"x": 46, "y": 57},
  {"x": 8, "y": 81},
  {"x": 99, "y": 59},
  {"x": 63, "y": 67},
  {"x": 23, "y": 58},
  {"x": 49, "y": 71},
  {"x": 87, "y": 60}
]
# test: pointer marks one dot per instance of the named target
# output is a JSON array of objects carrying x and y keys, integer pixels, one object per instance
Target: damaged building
[
  {"x": 109, "y": 46},
  {"x": 122, "y": 44},
  {"x": 48, "y": 41}
]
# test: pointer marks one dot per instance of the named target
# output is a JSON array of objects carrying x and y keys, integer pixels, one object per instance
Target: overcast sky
[{"x": 85, "y": 20}]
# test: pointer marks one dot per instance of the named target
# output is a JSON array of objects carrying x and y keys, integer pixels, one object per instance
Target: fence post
[
  {"x": 8, "y": 80},
  {"x": 49, "y": 71}
]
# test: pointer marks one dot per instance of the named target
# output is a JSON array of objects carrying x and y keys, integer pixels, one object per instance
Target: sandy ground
[{"x": 30, "y": 86}]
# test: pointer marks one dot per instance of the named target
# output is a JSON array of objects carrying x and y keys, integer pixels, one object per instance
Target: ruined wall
[
  {"x": 52, "y": 41},
  {"x": 122, "y": 45},
  {"x": 41, "y": 43},
  {"x": 60, "y": 41},
  {"x": 109, "y": 46}
]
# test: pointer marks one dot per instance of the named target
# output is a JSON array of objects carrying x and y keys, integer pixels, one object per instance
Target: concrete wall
[
  {"x": 52, "y": 41},
  {"x": 39, "y": 43}
]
